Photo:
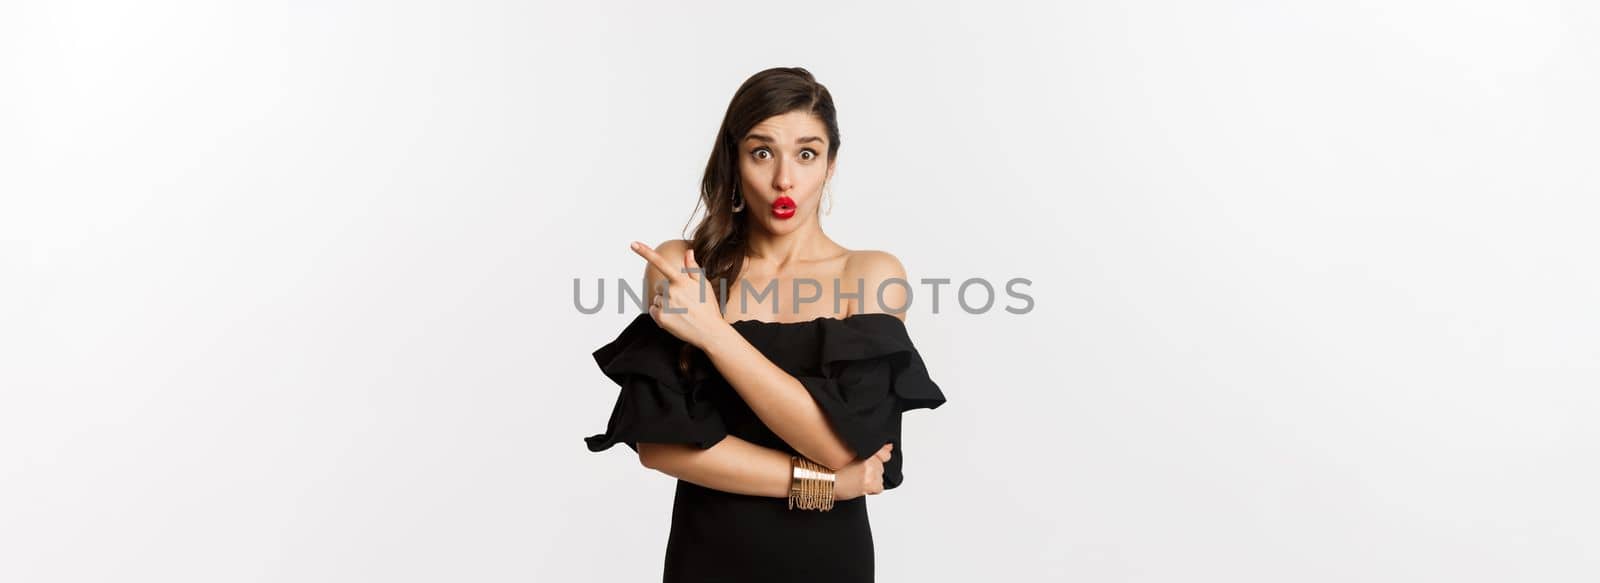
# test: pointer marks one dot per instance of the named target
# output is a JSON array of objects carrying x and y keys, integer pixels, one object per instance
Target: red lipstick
[{"x": 783, "y": 208}]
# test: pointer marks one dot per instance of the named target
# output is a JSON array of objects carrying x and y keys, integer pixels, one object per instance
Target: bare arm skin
[
  {"x": 780, "y": 400},
  {"x": 732, "y": 465},
  {"x": 738, "y": 466}
]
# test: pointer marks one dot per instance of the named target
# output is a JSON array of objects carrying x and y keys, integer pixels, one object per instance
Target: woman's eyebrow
[{"x": 769, "y": 140}]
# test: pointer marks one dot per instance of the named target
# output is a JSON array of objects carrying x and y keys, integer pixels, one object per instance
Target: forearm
[
  {"x": 732, "y": 465},
  {"x": 778, "y": 398}
]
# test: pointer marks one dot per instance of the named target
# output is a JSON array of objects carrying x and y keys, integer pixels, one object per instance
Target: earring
[{"x": 738, "y": 201}]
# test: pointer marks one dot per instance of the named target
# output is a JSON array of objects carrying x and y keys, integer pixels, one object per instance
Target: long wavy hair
[{"x": 719, "y": 240}]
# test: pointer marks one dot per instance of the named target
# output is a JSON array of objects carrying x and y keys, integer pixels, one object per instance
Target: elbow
[{"x": 650, "y": 455}]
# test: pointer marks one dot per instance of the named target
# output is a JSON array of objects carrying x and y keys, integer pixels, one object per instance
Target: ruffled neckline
[{"x": 818, "y": 320}]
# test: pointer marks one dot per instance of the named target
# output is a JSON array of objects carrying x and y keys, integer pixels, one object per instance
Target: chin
[{"x": 778, "y": 226}]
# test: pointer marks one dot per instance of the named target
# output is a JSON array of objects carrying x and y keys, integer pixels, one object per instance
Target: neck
[{"x": 805, "y": 243}]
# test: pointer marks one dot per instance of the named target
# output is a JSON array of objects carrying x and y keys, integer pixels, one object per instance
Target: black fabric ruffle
[
  {"x": 870, "y": 374},
  {"x": 655, "y": 402},
  {"x": 867, "y": 374}
]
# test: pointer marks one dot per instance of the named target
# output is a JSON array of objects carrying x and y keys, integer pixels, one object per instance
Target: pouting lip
[{"x": 783, "y": 208}]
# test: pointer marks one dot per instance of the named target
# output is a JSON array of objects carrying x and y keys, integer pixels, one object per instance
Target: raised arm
[{"x": 779, "y": 399}]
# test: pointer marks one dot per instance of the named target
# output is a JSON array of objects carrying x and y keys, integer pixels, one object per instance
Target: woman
[{"x": 777, "y": 411}]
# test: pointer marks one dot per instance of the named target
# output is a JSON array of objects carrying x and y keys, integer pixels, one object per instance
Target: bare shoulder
[
  {"x": 675, "y": 246},
  {"x": 672, "y": 250},
  {"x": 872, "y": 264},
  {"x": 874, "y": 268}
]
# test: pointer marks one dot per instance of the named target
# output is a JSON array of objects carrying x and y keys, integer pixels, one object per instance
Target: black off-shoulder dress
[{"x": 863, "y": 372}]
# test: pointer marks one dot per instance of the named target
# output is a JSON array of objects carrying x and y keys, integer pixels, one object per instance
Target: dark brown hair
[{"x": 719, "y": 239}]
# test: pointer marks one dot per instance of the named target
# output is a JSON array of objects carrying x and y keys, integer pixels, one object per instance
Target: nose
[{"x": 783, "y": 178}]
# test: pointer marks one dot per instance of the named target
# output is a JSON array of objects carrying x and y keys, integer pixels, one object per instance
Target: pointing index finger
[{"x": 661, "y": 264}]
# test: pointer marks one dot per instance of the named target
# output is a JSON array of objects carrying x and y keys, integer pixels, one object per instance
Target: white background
[{"x": 287, "y": 285}]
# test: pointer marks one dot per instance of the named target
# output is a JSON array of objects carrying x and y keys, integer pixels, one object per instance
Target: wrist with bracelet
[{"x": 810, "y": 485}]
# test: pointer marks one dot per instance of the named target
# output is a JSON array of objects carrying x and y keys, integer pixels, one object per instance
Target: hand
[
  {"x": 694, "y": 314},
  {"x": 862, "y": 477}
]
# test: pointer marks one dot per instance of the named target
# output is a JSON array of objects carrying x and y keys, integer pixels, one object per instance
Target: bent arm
[
  {"x": 779, "y": 399},
  {"x": 732, "y": 465}
]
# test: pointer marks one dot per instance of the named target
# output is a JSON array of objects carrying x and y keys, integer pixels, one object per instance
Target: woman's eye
[
  {"x": 760, "y": 151},
  {"x": 807, "y": 154}
]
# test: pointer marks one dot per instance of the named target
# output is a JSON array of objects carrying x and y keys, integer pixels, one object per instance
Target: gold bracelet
[{"x": 810, "y": 485}]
